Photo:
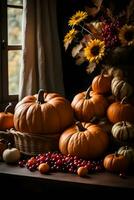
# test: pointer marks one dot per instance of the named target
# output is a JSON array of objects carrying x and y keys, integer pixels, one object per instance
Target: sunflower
[
  {"x": 77, "y": 18},
  {"x": 126, "y": 35},
  {"x": 69, "y": 37},
  {"x": 95, "y": 50}
]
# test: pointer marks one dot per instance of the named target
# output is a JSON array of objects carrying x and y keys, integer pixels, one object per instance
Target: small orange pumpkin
[
  {"x": 84, "y": 140},
  {"x": 6, "y": 119},
  {"x": 115, "y": 163},
  {"x": 120, "y": 111},
  {"x": 85, "y": 106},
  {"x": 82, "y": 171},
  {"x": 43, "y": 168},
  {"x": 102, "y": 83}
]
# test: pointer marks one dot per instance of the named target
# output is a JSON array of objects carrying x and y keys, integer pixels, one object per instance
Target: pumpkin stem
[
  {"x": 116, "y": 154},
  {"x": 123, "y": 100},
  {"x": 87, "y": 95},
  {"x": 7, "y": 107},
  {"x": 79, "y": 126},
  {"x": 9, "y": 145},
  {"x": 103, "y": 72},
  {"x": 124, "y": 123},
  {"x": 40, "y": 98},
  {"x": 126, "y": 147}
]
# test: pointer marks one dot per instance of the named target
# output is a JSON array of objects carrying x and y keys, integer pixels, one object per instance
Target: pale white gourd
[
  {"x": 11, "y": 154},
  {"x": 121, "y": 88},
  {"x": 128, "y": 152},
  {"x": 123, "y": 131}
]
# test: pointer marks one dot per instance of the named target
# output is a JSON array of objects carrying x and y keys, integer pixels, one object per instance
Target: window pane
[
  {"x": 14, "y": 26},
  {"x": 15, "y": 2},
  {"x": 14, "y": 62}
]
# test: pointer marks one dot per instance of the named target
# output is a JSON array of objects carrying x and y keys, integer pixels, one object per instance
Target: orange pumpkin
[
  {"x": 86, "y": 107},
  {"x": 82, "y": 171},
  {"x": 6, "y": 118},
  {"x": 84, "y": 140},
  {"x": 120, "y": 111},
  {"x": 43, "y": 113},
  {"x": 43, "y": 168},
  {"x": 102, "y": 83},
  {"x": 115, "y": 163}
]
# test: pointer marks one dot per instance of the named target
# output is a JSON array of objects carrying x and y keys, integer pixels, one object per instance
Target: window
[{"x": 10, "y": 49}]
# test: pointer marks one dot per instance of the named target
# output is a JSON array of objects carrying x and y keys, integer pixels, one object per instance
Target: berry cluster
[
  {"x": 62, "y": 163},
  {"x": 110, "y": 34}
]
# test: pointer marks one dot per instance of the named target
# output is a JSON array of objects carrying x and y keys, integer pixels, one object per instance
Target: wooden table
[{"x": 21, "y": 179}]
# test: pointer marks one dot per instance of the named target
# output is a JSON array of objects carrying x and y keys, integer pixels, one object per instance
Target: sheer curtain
[{"x": 41, "y": 61}]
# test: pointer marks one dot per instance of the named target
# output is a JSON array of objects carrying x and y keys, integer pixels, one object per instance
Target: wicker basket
[
  {"x": 7, "y": 137},
  {"x": 31, "y": 144}
]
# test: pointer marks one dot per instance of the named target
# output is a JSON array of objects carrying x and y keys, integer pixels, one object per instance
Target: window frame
[{"x": 4, "y": 48}]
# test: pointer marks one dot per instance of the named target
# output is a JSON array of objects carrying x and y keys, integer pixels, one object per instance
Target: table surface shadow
[{"x": 24, "y": 180}]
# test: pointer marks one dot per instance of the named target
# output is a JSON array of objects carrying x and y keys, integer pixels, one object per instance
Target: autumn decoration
[
  {"x": 6, "y": 118},
  {"x": 123, "y": 131},
  {"x": 115, "y": 163},
  {"x": 102, "y": 83},
  {"x": 120, "y": 111},
  {"x": 84, "y": 140},
  {"x": 128, "y": 152},
  {"x": 87, "y": 106},
  {"x": 121, "y": 88},
  {"x": 11, "y": 154},
  {"x": 43, "y": 113}
]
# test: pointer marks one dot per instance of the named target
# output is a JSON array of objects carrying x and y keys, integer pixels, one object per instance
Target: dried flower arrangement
[{"x": 98, "y": 37}]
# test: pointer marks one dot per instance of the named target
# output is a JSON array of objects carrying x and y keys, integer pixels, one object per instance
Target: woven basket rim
[
  {"x": 33, "y": 135},
  {"x": 33, "y": 144}
]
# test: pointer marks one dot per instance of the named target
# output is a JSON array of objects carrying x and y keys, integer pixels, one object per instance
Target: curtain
[{"x": 41, "y": 61}]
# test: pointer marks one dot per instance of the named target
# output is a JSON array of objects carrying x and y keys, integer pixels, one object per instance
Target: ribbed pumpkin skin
[
  {"x": 88, "y": 144},
  {"x": 6, "y": 118},
  {"x": 115, "y": 163},
  {"x": 128, "y": 152},
  {"x": 86, "y": 108},
  {"x": 101, "y": 83},
  {"x": 118, "y": 111},
  {"x": 123, "y": 131},
  {"x": 52, "y": 116},
  {"x": 120, "y": 88}
]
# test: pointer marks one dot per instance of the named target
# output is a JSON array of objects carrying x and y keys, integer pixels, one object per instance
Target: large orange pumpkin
[
  {"x": 120, "y": 111},
  {"x": 6, "y": 118},
  {"x": 84, "y": 140},
  {"x": 43, "y": 113},
  {"x": 85, "y": 106}
]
